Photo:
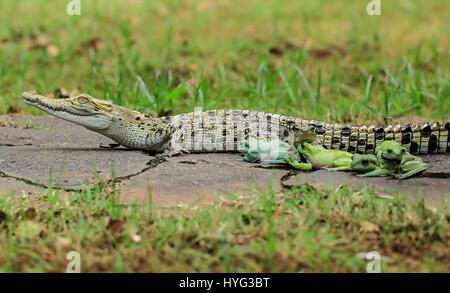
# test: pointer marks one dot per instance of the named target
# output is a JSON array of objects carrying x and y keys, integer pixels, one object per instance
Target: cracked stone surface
[
  {"x": 75, "y": 156},
  {"x": 25, "y": 155},
  {"x": 71, "y": 150},
  {"x": 438, "y": 166},
  {"x": 11, "y": 185},
  {"x": 431, "y": 189},
  {"x": 199, "y": 178}
]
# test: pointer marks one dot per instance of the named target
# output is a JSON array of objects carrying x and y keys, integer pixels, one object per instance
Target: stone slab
[
  {"x": 75, "y": 156},
  {"x": 199, "y": 178},
  {"x": 431, "y": 189},
  {"x": 72, "y": 152}
]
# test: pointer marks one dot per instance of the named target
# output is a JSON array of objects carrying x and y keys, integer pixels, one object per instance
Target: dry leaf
[
  {"x": 52, "y": 50},
  {"x": 191, "y": 81},
  {"x": 114, "y": 225},
  {"x": 3, "y": 216},
  {"x": 39, "y": 41},
  {"x": 321, "y": 53},
  {"x": 307, "y": 45},
  {"x": 74, "y": 92},
  {"x": 384, "y": 196},
  {"x": 276, "y": 51},
  {"x": 134, "y": 20},
  {"x": 4, "y": 42},
  {"x": 43, "y": 233},
  {"x": 30, "y": 213},
  {"x": 369, "y": 226},
  {"x": 192, "y": 67},
  {"x": 276, "y": 213},
  {"x": 63, "y": 243},
  {"x": 359, "y": 121},
  {"x": 13, "y": 109},
  {"x": 94, "y": 43}
]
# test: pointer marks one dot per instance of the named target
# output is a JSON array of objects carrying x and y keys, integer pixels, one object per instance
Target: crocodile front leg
[{"x": 176, "y": 144}]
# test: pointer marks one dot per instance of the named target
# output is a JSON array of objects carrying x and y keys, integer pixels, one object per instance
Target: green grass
[
  {"x": 324, "y": 60},
  {"x": 315, "y": 59},
  {"x": 301, "y": 230}
]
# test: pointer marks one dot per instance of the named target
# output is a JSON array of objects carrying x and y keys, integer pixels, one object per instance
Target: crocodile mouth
[
  {"x": 51, "y": 109},
  {"x": 36, "y": 101}
]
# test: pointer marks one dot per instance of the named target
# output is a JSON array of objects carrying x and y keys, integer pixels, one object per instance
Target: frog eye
[
  {"x": 82, "y": 100},
  {"x": 389, "y": 151},
  {"x": 403, "y": 150},
  {"x": 302, "y": 145},
  {"x": 365, "y": 162}
]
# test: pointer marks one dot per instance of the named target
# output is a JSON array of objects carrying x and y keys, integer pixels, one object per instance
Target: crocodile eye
[
  {"x": 82, "y": 100},
  {"x": 365, "y": 162}
]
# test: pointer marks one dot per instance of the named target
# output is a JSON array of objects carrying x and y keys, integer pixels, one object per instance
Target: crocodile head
[
  {"x": 83, "y": 109},
  {"x": 128, "y": 128}
]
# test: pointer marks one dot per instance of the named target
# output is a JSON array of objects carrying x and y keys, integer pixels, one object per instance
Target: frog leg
[
  {"x": 278, "y": 161},
  {"x": 342, "y": 168},
  {"x": 250, "y": 157},
  {"x": 295, "y": 162},
  {"x": 411, "y": 168},
  {"x": 340, "y": 164},
  {"x": 376, "y": 172},
  {"x": 301, "y": 166}
]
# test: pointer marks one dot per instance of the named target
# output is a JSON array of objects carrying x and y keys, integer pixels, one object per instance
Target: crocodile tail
[{"x": 418, "y": 139}]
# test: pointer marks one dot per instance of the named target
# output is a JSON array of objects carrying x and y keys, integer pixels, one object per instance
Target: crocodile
[{"x": 227, "y": 130}]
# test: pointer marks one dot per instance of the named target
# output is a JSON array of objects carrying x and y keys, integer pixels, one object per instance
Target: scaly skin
[{"x": 227, "y": 130}]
